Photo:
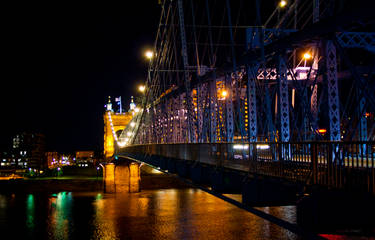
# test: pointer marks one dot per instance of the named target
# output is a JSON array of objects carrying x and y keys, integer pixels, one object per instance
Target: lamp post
[
  {"x": 97, "y": 172},
  {"x": 58, "y": 172}
]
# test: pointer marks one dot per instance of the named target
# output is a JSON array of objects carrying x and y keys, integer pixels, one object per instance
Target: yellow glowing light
[
  {"x": 142, "y": 88},
  {"x": 307, "y": 55},
  {"x": 149, "y": 54},
  {"x": 283, "y": 3},
  {"x": 224, "y": 94}
]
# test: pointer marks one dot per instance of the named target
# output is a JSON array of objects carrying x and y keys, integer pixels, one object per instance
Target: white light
[
  {"x": 283, "y": 3},
  {"x": 156, "y": 171},
  {"x": 263, "y": 146},
  {"x": 132, "y": 124},
  {"x": 141, "y": 88},
  {"x": 149, "y": 54},
  {"x": 121, "y": 144},
  {"x": 136, "y": 110},
  {"x": 128, "y": 134},
  {"x": 240, "y": 146}
]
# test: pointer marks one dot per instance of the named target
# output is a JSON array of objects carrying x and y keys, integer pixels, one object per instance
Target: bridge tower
[{"x": 114, "y": 124}]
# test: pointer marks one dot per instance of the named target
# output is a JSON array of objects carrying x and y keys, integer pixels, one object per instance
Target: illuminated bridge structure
[{"x": 281, "y": 111}]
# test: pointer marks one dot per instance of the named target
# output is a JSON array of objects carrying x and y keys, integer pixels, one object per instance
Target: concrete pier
[{"x": 122, "y": 177}]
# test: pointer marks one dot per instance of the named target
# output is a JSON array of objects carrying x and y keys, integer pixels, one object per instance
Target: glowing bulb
[
  {"x": 132, "y": 124},
  {"x": 149, "y": 54},
  {"x": 322, "y": 130},
  {"x": 136, "y": 110},
  {"x": 224, "y": 94},
  {"x": 307, "y": 55},
  {"x": 142, "y": 88},
  {"x": 128, "y": 134},
  {"x": 283, "y": 3}
]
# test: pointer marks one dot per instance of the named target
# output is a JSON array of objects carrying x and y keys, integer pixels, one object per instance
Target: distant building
[
  {"x": 85, "y": 158},
  {"x": 52, "y": 159},
  {"x": 6, "y": 159},
  {"x": 28, "y": 151}
]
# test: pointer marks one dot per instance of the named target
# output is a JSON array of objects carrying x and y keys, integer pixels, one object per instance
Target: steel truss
[{"x": 277, "y": 97}]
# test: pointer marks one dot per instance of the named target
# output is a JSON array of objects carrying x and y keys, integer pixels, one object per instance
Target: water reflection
[
  {"x": 105, "y": 227},
  {"x": 30, "y": 211},
  {"x": 151, "y": 214},
  {"x": 61, "y": 219}
]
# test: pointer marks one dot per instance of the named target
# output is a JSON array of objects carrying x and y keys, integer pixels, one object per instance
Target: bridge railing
[{"x": 331, "y": 164}]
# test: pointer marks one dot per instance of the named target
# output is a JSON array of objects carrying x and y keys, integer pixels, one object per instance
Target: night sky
[{"x": 61, "y": 61}]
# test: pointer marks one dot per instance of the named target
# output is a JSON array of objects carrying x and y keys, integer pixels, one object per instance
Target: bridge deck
[{"x": 334, "y": 165}]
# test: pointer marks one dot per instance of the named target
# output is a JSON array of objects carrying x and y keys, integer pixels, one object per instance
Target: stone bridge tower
[{"x": 114, "y": 123}]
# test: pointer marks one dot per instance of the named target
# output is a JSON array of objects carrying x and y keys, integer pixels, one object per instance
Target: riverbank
[{"x": 84, "y": 184}]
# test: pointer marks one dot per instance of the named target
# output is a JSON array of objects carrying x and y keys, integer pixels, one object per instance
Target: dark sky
[{"x": 60, "y": 62}]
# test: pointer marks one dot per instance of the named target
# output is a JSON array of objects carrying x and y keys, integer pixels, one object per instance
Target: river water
[{"x": 151, "y": 214}]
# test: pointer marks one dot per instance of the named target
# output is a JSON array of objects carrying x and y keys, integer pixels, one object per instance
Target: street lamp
[
  {"x": 224, "y": 94},
  {"x": 97, "y": 172},
  {"x": 283, "y": 3},
  {"x": 142, "y": 88},
  {"x": 306, "y": 56},
  {"x": 149, "y": 54},
  {"x": 58, "y": 171}
]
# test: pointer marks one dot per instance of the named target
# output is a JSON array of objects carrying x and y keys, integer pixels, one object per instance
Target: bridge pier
[
  {"x": 109, "y": 178},
  {"x": 122, "y": 177}
]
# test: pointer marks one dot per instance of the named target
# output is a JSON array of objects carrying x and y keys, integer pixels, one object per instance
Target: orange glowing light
[
  {"x": 224, "y": 94},
  {"x": 322, "y": 130},
  {"x": 307, "y": 55}
]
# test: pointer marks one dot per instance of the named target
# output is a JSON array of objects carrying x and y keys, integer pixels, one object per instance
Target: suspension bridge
[{"x": 273, "y": 100}]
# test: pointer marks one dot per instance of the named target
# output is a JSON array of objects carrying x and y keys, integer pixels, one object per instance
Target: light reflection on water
[
  {"x": 150, "y": 214},
  {"x": 60, "y": 218}
]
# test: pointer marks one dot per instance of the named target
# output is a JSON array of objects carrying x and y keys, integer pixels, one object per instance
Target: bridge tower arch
[{"x": 114, "y": 122}]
